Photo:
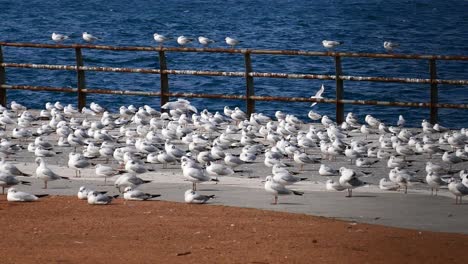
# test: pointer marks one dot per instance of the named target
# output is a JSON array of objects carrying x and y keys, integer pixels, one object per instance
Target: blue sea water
[{"x": 420, "y": 26}]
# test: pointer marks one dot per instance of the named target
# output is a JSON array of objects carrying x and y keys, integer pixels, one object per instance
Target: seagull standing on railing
[
  {"x": 318, "y": 95},
  {"x": 160, "y": 38},
  {"x": 390, "y": 46},
  {"x": 58, "y": 37},
  {"x": 183, "y": 40},
  {"x": 89, "y": 38},
  {"x": 330, "y": 44},
  {"x": 205, "y": 41},
  {"x": 232, "y": 42}
]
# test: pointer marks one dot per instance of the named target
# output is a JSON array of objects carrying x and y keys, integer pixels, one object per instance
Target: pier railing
[{"x": 249, "y": 75}]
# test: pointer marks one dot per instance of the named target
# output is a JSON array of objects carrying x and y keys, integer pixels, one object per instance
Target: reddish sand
[{"x": 66, "y": 230}]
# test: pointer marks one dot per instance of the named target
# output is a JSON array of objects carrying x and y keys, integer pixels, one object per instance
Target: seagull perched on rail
[
  {"x": 183, "y": 40},
  {"x": 390, "y": 46},
  {"x": 232, "y": 42},
  {"x": 89, "y": 38},
  {"x": 330, "y": 44},
  {"x": 160, "y": 38},
  {"x": 58, "y": 37},
  {"x": 205, "y": 41}
]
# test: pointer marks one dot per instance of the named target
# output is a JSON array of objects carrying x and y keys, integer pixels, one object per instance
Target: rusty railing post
[
  {"x": 434, "y": 91},
  {"x": 250, "y": 90},
  {"x": 339, "y": 91},
  {"x": 81, "y": 85},
  {"x": 164, "y": 78},
  {"x": 3, "y": 99}
]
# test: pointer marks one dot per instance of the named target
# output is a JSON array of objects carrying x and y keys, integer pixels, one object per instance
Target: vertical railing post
[
  {"x": 3, "y": 98},
  {"x": 339, "y": 91},
  {"x": 81, "y": 85},
  {"x": 434, "y": 91},
  {"x": 250, "y": 90},
  {"x": 164, "y": 78}
]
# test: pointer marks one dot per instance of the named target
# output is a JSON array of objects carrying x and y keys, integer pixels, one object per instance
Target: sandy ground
[{"x": 60, "y": 229}]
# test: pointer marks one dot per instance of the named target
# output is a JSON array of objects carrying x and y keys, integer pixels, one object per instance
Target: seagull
[
  {"x": 9, "y": 168},
  {"x": 58, "y": 37},
  {"x": 325, "y": 170},
  {"x": 196, "y": 198},
  {"x": 451, "y": 159},
  {"x": 7, "y": 180},
  {"x": 435, "y": 181},
  {"x": 232, "y": 42},
  {"x": 458, "y": 189},
  {"x": 349, "y": 180},
  {"x": 401, "y": 121},
  {"x": 330, "y": 44},
  {"x": 318, "y": 95},
  {"x": 44, "y": 173},
  {"x": 205, "y": 41},
  {"x": 97, "y": 198},
  {"x": 183, "y": 40},
  {"x": 194, "y": 174},
  {"x": 18, "y": 196},
  {"x": 105, "y": 171},
  {"x": 129, "y": 179},
  {"x": 160, "y": 38},
  {"x": 137, "y": 195},
  {"x": 278, "y": 189},
  {"x": 89, "y": 38},
  {"x": 332, "y": 185},
  {"x": 388, "y": 185},
  {"x": 390, "y": 46}
]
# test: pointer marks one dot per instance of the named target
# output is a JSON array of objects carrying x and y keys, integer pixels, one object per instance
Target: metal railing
[{"x": 164, "y": 93}]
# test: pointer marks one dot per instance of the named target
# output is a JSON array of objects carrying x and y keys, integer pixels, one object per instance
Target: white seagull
[
  {"x": 330, "y": 44},
  {"x": 278, "y": 189},
  {"x": 137, "y": 195},
  {"x": 89, "y": 38},
  {"x": 58, "y": 37},
  {"x": 232, "y": 42},
  {"x": 318, "y": 95},
  {"x": 205, "y": 41},
  {"x": 18, "y": 196},
  {"x": 192, "y": 196},
  {"x": 183, "y": 40}
]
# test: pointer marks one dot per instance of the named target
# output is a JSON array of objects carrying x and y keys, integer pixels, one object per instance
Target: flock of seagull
[
  {"x": 205, "y": 42},
  {"x": 211, "y": 145}
]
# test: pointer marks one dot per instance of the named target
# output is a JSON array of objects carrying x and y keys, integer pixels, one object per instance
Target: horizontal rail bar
[
  {"x": 39, "y": 88},
  {"x": 238, "y": 51},
  {"x": 235, "y": 97},
  {"x": 233, "y": 74}
]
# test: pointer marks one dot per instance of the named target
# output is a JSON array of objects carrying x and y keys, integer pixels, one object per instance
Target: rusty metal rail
[{"x": 249, "y": 74}]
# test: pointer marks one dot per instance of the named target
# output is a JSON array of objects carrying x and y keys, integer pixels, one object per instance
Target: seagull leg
[
  {"x": 406, "y": 189},
  {"x": 3, "y": 190},
  {"x": 302, "y": 167},
  {"x": 45, "y": 184},
  {"x": 276, "y": 200}
]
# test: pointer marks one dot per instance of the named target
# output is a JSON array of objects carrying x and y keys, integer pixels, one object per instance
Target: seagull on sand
[
  {"x": 98, "y": 198},
  {"x": 17, "y": 196}
]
